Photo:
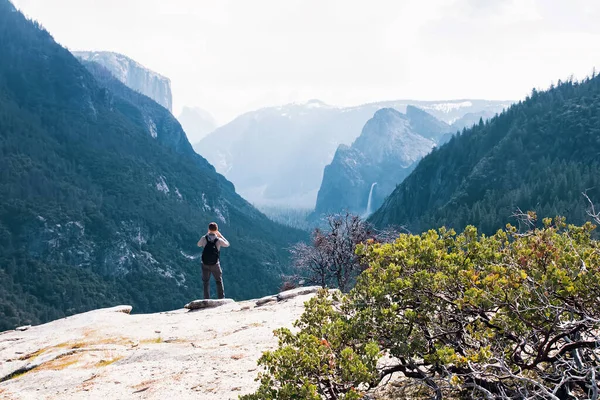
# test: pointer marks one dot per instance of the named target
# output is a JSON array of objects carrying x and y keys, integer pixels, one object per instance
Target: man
[{"x": 212, "y": 243}]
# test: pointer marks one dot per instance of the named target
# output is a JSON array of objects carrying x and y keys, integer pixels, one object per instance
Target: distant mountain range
[
  {"x": 539, "y": 155},
  {"x": 276, "y": 156},
  {"x": 389, "y": 147},
  {"x": 133, "y": 75},
  {"x": 197, "y": 123},
  {"x": 102, "y": 198}
]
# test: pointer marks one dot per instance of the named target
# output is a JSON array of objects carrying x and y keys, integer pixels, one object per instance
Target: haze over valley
[{"x": 276, "y": 156}]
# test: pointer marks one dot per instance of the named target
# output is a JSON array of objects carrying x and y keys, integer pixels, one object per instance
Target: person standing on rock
[{"x": 211, "y": 255}]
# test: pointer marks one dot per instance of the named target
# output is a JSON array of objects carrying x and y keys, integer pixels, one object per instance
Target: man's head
[{"x": 213, "y": 227}]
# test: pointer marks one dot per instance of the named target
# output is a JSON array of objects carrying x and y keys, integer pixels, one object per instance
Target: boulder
[
  {"x": 264, "y": 300},
  {"x": 290, "y": 294},
  {"x": 209, "y": 303},
  {"x": 23, "y": 328}
]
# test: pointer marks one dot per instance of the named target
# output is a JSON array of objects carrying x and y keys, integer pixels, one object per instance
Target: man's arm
[
  {"x": 202, "y": 241},
  {"x": 223, "y": 241}
]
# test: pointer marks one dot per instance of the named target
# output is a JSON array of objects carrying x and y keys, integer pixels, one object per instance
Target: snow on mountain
[
  {"x": 133, "y": 74},
  {"x": 450, "y": 111},
  {"x": 447, "y": 107}
]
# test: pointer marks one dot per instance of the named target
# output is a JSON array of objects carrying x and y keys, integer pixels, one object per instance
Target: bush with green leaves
[{"x": 445, "y": 315}]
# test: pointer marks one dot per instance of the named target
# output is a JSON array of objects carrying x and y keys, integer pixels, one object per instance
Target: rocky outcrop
[
  {"x": 266, "y": 300},
  {"x": 290, "y": 294},
  {"x": 283, "y": 296},
  {"x": 210, "y": 354},
  {"x": 134, "y": 75}
]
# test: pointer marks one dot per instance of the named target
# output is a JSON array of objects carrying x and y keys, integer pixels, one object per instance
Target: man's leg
[
  {"x": 218, "y": 274},
  {"x": 206, "y": 280}
]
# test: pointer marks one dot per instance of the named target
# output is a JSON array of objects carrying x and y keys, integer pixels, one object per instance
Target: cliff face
[
  {"x": 387, "y": 150},
  {"x": 133, "y": 74}
]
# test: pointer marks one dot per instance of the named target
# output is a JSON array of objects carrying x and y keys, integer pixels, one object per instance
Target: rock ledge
[
  {"x": 208, "y": 303},
  {"x": 301, "y": 291},
  {"x": 108, "y": 354}
]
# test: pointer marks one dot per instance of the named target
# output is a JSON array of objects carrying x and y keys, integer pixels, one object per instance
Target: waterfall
[{"x": 370, "y": 201}]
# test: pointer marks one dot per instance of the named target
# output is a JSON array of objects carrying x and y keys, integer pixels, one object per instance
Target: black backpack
[{"x": 210, "y": 254}]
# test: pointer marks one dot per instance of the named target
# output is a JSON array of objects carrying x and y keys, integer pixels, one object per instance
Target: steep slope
[
  {"x": 102, "y": 198},
  {"x": 158, "y": 123},
  {"x": 197, "y": 123},
  {"x": 133, "y": 74},
  {"x": 426, "y": 124},
  {"x": 390, "y": 145},
  {"x": 276, "y": 156},
  {"x": 539, "y": 155}
]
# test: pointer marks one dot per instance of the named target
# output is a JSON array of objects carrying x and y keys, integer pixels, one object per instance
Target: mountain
[
  {"x": 538, "y": 155},
  {"x": 426, "y": 125},
  {"x": 452, "y": 111},
  {"x": 197, "y": 123},
  {"x": 133, "y": 74},
  {"x": 389, "y": 147},
  {"x": 472, "y": 118},
  {"x": 102, "y": 198},
  {"x": 276, "y": 156}
]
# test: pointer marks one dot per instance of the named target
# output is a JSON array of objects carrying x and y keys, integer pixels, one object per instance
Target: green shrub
[{"x": 509, "y": 316}]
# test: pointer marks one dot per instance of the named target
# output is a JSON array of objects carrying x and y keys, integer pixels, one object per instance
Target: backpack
[{"x": 210, "y": 254}]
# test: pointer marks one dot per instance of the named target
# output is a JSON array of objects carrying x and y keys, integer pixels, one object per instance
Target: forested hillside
[
  {"x": 102, "y": 198},
  {"x": 539, "y": 155}
]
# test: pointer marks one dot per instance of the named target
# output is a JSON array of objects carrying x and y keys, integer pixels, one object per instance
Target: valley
[{"x": 276, "y": 156}]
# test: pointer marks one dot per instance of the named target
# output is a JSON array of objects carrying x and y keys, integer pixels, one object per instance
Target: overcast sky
[{"x": 229, "y": 57}]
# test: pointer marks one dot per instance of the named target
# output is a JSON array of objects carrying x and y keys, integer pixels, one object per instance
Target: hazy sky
[{"x": 229, "y": 57}]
